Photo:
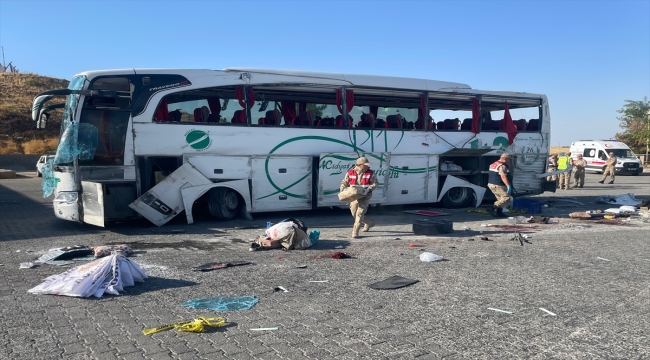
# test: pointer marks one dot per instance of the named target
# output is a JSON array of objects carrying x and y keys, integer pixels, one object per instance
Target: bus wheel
[
  {"x": 457, "y": 197},
  {"x": 224, "y": 203}
]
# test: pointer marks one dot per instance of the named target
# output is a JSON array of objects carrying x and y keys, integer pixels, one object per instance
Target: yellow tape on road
[{"x": 196, "y": 325}]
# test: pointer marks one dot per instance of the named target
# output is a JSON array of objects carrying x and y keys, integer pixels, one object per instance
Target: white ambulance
[{"x": 596, "y": 153}]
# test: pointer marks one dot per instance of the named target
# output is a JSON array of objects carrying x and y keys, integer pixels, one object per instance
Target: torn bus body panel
[
  {"x": 453, "y": 181},
  {"x": 165, "y": 200}
]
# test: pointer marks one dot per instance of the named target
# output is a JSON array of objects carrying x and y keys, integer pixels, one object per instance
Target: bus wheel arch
[
  {"x": 457, "y": 197},
  {"x": 225, "y": 200},
  {"x": 224, "y": 203}
]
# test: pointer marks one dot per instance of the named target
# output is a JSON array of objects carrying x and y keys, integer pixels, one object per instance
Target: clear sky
[{"x": 587, "y": 56}]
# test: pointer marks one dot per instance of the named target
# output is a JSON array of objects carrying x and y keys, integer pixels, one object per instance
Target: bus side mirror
[
  {"x": 40, "y": 124},
  {"x": 38, "y": 105}
]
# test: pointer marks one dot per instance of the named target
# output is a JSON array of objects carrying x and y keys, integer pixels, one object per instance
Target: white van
[{"x": 596, "y": 153}]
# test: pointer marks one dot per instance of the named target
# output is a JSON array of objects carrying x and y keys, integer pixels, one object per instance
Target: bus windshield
[{"x": 67, "y": 148}]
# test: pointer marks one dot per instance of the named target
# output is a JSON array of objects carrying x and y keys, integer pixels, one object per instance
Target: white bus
[{"x": 152, "y": 142}]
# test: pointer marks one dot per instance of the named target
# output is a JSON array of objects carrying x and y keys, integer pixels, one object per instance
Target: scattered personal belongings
[
  {"x": 485, "y": 238},
  {"x": 425, "y": 212},
  {"x": 27, "y": 265},
  {"x": 218, "y": 265},
  {"x": 583, "y": 215},
  {"x": 69, "y": 252},
  {"x": 645, "y": 203},
  {"x": 280, "y": 288},
  {"x": 105, "y": 250},
  {"x": 289, "y": 234},
  {"x": 300, "y": 266},
  {"x": 236, "y": 303},
  {"x": 393, "y": 282},
  {"x": 429, "y": 257},
  {"x": 263, "y": 329},
  {"x": 599, "y": 258},
  {"x": 538, "y": 220},
  {"x": 548, "y": 312},
  {"x": 107, "y": 275},
  {"x": 516, "y": 220},
  {"x": 351, "y": 193},
  {"x": 340, "y": 255},
  {"x": 197, "y": 325},
  {"x": 625, "y": 199},
  {"x": 432, "y": 227},
  {"x": 625, "y": 209},
  {"x": 519, "y": 238},
  {"x": 502, "y": 311}
]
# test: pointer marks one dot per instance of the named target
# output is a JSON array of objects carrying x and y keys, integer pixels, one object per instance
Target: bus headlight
[{"x": 67, "y": 197}]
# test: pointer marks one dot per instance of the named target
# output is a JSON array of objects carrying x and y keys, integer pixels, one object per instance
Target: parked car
[{"x": 41, "y": 162}]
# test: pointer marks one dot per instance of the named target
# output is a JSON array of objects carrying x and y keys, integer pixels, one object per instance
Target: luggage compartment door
[{"x": 281, "y": 183}]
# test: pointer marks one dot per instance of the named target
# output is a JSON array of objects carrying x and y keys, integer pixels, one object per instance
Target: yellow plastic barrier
[{"x": 196, "y": 325}]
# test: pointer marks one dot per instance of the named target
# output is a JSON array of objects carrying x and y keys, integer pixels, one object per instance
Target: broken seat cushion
[{"x": 393, "y": 282}]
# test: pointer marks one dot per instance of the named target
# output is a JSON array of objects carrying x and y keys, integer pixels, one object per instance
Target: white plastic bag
[
  {"x": 279, "y": 230},
  {"x": 429, "y": 257}
]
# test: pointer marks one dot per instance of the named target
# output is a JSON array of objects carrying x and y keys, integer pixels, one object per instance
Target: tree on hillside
[{"x": 635, "y": 120}]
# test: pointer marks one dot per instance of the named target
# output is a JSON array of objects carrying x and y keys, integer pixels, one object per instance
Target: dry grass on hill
[{"x": 558, "y": 149}]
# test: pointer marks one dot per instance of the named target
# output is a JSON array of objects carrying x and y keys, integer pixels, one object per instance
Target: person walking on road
[
  {"x": 552, "y": 166},
  {"x": 499, "y": 184},
  {"x": 610, "y": 169},
  {"x": 360, "y": 175},
  {"x": 579, "y": 166},
  {"x": 564, "y": 162}
]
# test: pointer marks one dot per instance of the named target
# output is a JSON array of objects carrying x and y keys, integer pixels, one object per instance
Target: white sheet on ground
[{"x": 625, "y": 199}]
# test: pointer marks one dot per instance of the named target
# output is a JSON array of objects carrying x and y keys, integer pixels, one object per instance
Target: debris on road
[
  {"x": 27, "y": 265},
  {"x": 432, "y": 227},
  {"x": 539, "y": 220},
  {"x": 430, "y": 257},
  {"x": 65, "y": 253},
  {"x": 625, "y": 199},
  {"x": 280, "y": 288},
  {"x": 548, "y": 312},
  {"x": 393, "y": 282},
  {"x": 218, "y": 265},
  {"x": 236, "y": 303},
  {"x": 264, "y": 329},
  {"x": 318, "y": 281},
  {"x": 599, "y": 258},
  {"x": 107, "y": 275},
  {"x": 340, "y": 255},
  {"x": 197, "y": 325},
  {"x": 502, "y": 311},
  {"x": 105, "y": 250}
]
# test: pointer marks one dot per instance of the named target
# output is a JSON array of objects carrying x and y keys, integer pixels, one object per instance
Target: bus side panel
[
  {"x": 218, "y": 167},
  {"x": 408, "y": 179},
  {"x": 432, "y": 192},
  {"x": 525, "y": 173},
  {"x": 281, "y": 183}
]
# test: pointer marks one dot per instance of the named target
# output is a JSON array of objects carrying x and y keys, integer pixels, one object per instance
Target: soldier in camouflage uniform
[
  {"x": 361, "y": 175},
  {"x": 610, "y": 169},
  {"x": 579, "y": 166}
]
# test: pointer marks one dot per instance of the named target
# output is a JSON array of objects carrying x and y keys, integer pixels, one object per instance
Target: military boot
[
  {"x": 355, "y": 231},
  {"x": 368, "y": 225},
  {"x": 493, "y": 211},
  {"x": 500, "y": 212}
]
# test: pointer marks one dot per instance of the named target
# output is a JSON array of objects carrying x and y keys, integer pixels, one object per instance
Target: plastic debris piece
[
  {"x": 415, "y": 245},
  {"x": 17, "y": 250},
  {"x": 197, "y": 325},
  {"x": 339, "y": 247},
  {"x": 503, "y": 311},
  {"x": 318, "y": 281},
  {"x": 300, "y": 266},
  {"x": 27, "y": 265},
  {"x": 548, "y": 312},
  {"x": 264, "y": 329},
  {"x": 429, "y": 257},
  {"x": 236, "y": 303},
  {"x": 280, "y": 288},
  {"x": 599, "y": 258},
  {"x": 60, "y": 262},
  {"x": 314, "y": 235},
  {"x": 393, "y": 282}
]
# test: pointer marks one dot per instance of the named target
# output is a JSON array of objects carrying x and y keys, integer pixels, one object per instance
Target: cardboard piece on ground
[
  {"x": 453, "y": 181},
  {"x": 425, "y": 212},
  {"x": 393, "y": 282},
  {"x": 625, "y": 199}
]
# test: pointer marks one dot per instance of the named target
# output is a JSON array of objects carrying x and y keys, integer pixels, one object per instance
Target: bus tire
[
  {"x": 457, "y": 197},
  {"x": 224, "y": 203}
]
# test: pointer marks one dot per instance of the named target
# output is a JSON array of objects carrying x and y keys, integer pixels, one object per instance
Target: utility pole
[{"x": 647, "y": 137}]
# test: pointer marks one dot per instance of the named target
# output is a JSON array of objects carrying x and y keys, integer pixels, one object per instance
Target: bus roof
[{"x": 374, "y": 81}]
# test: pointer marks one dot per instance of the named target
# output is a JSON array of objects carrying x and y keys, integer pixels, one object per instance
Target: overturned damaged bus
[{"x": 152, "y": 143}]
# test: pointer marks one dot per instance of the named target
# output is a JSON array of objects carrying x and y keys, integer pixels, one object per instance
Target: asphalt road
[{"x": 593, "y": 276}]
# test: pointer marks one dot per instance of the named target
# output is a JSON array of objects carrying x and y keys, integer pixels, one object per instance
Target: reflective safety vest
[
  {"x": 562, "y": 162},
  {"x": 365, "y": 177},
  {"x": 493, "y": 175}
]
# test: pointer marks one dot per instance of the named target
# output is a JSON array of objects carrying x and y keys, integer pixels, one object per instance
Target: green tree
[
  {"x": 317, "y": 109},
  {"x": 635, "y": 121}
]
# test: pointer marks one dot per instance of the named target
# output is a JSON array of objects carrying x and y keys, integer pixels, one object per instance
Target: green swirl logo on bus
[{"x": 198, "y": 140}]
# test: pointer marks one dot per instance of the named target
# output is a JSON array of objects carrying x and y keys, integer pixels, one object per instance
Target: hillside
[{"x": 17, "y": 91}]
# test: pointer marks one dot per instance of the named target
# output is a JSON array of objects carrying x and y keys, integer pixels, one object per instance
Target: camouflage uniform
[
  {"x": 610, "y": 169},
  {"x": 359, "y": 207},
  {"x": 579, "y": 166},
  {"x": 500, "y": 191},
  {"x": 552, "y": 166}
]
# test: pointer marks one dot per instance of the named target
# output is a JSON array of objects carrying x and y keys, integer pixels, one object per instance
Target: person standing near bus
[
  {"x": 564, "y": 162},
  {"x": 360, "y": 175},
  {"x": 610, "y": 169},
  {"x": 499, "y": 184},
  {"x": 579, "y": 166},
  {"x": 552, "y": 166}
]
